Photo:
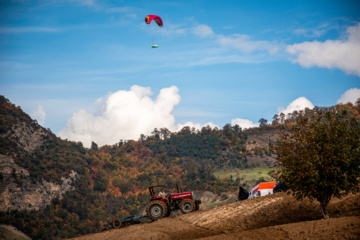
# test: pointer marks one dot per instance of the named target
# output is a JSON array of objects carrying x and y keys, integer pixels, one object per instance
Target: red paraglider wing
[{"x": 157, "y": 19}]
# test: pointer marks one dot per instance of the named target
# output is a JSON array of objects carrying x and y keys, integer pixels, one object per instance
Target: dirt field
[{"x": 277, "y": 216}]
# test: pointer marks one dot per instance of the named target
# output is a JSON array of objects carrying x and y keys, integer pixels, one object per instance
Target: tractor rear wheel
[
  {"x": 187, "y": 206},
  {"x": 156, "y": 210},
  {"x": 117, "y": 223}
]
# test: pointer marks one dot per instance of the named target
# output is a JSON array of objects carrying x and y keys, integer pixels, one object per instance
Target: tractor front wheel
[
  {"x": 187, "y": 206},
  {"x": 156, "y": 210}
]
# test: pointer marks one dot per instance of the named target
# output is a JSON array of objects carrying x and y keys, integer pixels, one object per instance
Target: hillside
[
  {"x": 259, "y": 144},
  {"x": 277, "y": 216},
  {"x": 52, "y": 188},
  {"x": 74, "y": 189}
]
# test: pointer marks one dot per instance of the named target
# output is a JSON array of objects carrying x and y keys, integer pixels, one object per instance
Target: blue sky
[{"x": 86, "y": 69}]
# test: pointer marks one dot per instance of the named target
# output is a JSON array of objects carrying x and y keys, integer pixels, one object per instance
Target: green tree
[
  {"x": 320, "y": 156},
  {"x": 263, "y": 122},
  {"x": 94, "y": 146}
]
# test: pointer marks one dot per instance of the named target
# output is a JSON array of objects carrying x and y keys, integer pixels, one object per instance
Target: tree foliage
[
  {"x": 222, "y": 148},
  {"x": 319, "y": 157}
]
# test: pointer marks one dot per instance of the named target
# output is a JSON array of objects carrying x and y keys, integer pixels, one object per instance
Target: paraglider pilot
[{"x": 154, "y": 45}]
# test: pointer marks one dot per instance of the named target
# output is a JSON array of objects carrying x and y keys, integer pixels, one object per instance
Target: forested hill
[
  {"x": 220, "y": 148},
  {"x": 111, "y": 180},
  {"x": 70, "y": 190}
]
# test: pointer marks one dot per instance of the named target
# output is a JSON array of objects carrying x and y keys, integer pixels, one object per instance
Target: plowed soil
[{"x": 277, "y": 216}]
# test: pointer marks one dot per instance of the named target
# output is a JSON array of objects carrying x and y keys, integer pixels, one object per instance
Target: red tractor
[{"x": 159, "y": 207}]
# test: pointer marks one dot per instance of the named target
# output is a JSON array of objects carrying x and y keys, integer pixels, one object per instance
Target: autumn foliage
[{"x": 319, "y": 157}]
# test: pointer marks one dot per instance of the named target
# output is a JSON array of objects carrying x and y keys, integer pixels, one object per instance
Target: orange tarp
[{"x": 264, "y": 185}]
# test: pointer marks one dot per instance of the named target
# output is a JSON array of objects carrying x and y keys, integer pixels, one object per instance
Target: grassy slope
[
  {"x": 10, "y": 232},
  {"x": 248, "y": 176}
]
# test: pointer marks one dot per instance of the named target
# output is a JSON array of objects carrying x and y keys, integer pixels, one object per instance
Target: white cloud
[
  {"x": 342, "y": 54},
  {"x": 243, "y": 43},
  {"x": 123, "y": 115},
  {"x": 317, "y": 31},
  {"x": 350, "y": 95},
  {"x": 218, "y": 59},
  {"x": 176, "y": 29},
  {"x": 39, "y": 114},
  {"x": 169, "y": 29},
  {"x": 298, "y": 104},
  {"x": 243, "y": 123},
  {"x": 203, "y": 31},
  {"x": 126, "y": 115}
]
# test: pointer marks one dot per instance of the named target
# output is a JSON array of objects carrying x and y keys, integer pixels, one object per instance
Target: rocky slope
[
  {"x": 27, "y": 136},
  {"x": 19, "y": 192},
  {"x": 21, "y": 138}
]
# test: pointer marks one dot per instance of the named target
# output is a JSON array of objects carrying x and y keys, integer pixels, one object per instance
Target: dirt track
[{"x": 277, "y": 216}]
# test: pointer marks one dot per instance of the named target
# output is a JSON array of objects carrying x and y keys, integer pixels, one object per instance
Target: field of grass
[{"x": 248, "y": 176}]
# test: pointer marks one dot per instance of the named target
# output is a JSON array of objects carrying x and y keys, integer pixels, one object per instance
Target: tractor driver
[{"x": 164, "y": 196}]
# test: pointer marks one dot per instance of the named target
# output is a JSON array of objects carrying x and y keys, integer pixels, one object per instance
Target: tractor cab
[{"x": 153, "y": 194}]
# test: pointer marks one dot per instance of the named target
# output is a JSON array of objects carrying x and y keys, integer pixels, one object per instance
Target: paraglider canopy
[
  {"x": 159, "y": 22},
  {"x": 157, "y": 19}
]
